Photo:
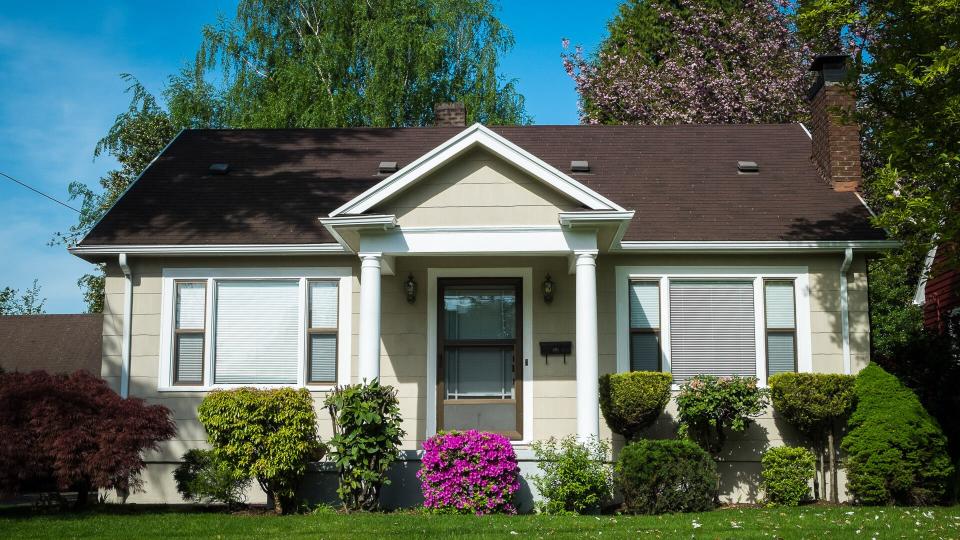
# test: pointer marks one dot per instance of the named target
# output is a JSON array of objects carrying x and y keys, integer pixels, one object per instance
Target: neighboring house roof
[
  {"x": 53, "y": 343},
  {"x": 682, "y": 181}
]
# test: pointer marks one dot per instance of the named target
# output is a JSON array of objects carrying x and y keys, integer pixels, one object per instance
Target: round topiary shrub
[
  {"x": 662, "y": 476},
  {"x": 469, "y": 472},
  {"x": 896, "y": 451},
  {"x": 632, "y": 401},
  {"x": 786, "y": 474}
]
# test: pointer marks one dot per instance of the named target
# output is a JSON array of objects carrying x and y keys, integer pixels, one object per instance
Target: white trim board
[
  {"x": 526, "y": 274},
  {"x": 523, "y": 240},
  {"x": 476, "y": 135},
  {"x": 663, "y": 274},
  {"x": 167, "y": 307},
  {"x": 756, "y": 246},
  {"x": 209, "y": 249}
]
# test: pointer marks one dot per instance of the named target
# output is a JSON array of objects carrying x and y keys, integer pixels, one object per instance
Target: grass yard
[{"x": 807, "y": 522}]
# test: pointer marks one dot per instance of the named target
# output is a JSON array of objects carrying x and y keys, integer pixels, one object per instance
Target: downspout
[
  {"x": 127, "y": 326},
  {"x": 845, "y": 310}
]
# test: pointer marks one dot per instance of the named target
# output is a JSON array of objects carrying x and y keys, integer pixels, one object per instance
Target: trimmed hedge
[
  {"x": 664, "y": 476},
  {"x": 632, "y": 401},
  {"x": 270, "y": 435},
  {"x": 897, "y": 453},
  {"x": 786, "y": 474}
]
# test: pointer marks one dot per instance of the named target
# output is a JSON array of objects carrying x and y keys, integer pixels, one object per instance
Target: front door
[{"x": 480, "y": 350}]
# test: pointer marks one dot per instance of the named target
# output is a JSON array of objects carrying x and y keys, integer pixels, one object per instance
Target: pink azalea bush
[{"x": 469, "y": 472}]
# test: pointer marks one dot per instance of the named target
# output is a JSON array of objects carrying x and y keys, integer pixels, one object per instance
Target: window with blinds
[
  {"x": 781, "y": 326},
  {"x": 712, "y": 329},
  {"x": 191, "y": 300},
  {"x": 257, "y": 332},
  {"x": 644, "y": 326},
  {"x": 322, "y": 332}
]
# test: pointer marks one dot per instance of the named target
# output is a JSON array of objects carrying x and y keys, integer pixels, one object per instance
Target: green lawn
[{"x": 820, "y": 523}]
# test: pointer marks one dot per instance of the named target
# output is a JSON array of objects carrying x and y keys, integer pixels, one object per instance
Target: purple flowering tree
[
  {"x": 469, "y": 472},
  {"x": 747, "y": 67}
]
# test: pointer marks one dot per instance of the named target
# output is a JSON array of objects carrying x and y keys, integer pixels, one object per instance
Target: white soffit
[{"x": 474, "y": 136}]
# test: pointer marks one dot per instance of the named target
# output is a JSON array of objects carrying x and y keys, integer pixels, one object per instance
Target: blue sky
[{"x": 60, "y": 64}]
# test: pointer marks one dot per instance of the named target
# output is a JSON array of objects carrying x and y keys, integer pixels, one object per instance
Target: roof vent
[
  {"x": 387, "y": 167},
  {"x": 219, "y": 168},
  {"x": 748, "y": 166},
  {"x": 580, "y": 166}
]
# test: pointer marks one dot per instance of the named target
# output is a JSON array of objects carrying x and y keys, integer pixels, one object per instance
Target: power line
[{"x": 38, "y": 192}]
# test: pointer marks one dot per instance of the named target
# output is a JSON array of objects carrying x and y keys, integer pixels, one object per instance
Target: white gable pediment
[{"x": 475, "y": 136}]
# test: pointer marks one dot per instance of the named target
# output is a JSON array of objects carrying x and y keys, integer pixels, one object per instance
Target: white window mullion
[
  {"x": 760, "y": 331},
  {"x": 302, "y": 326},
  {"x": 665, "y": 322}
]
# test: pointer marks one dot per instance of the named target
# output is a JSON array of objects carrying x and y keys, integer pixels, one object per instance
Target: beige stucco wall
[
  {"x": 404, "y": 344},
  {"x": 477, "y": 189}
]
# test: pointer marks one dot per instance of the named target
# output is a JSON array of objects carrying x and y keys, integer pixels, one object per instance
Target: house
[
  {"x": 489, "y": 273},
  {"x": 939, "y": 292},
  {"x": 52, "y": 343}
]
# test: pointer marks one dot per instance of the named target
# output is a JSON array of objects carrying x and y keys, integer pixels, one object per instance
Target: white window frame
[
  {"x": 343, "y": 275},
  {"x": 757, "y": 274}
]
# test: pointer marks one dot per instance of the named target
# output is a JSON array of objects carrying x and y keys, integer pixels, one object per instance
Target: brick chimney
[
  {"x": 836, "y": 135},
  {"x": 450, "y": 115}
]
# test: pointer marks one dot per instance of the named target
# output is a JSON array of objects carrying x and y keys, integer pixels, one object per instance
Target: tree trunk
[
  {"x": 834, "y": 491},
  {"x": 823, "y": 474},
  {"x": 83, "y": 494}
]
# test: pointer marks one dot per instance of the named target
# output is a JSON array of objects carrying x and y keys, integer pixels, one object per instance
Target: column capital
[
  {"x": 370, "y": 260},
  {"x": 586, "y": 257}
]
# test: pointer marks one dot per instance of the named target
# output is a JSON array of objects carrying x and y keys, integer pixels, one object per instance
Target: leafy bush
[
  {"x": 269, "y": 435},
  {"x": 203, "y": 477},
  {"x": 74, "y": 432},
  {"x": 709, "y": 405},
  {"x": 786, "y": 474},
  {"x": 815, "y": 403},
  {"x": 661, "y": 476},
  {"x": 469, "y": 472},
  {"x": 632, "y": 401},
  {"x": 366, "y": 440},
  {"x": 576, "y": 478},
  {"x": 896, "y": 450}
]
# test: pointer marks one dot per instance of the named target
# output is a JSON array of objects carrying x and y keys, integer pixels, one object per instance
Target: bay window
[{"x": 249, "y": 327}]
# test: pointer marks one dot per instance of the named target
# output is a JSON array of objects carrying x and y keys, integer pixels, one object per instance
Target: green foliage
[
  {"x": 812, "y": 402},
  {"x": 896, "y": 450},
  {"x": 12, "y": 302},
  {"x": 895, "y": 320},
  {"x": 366, "y": 440},
  {"x": 665, "y": 476},
  {"x": 270, "y": 435},
  {"x": 786, "y": 474},
  {"x": 708, "y": 406},
  {"x": 908, "y": 67},
  {"x": 632, "y": 401},
  {"x": 203, "y": 477},
  {"x": 576, "y": 478}
]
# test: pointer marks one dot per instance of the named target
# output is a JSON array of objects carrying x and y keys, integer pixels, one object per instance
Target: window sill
[{"x": 210, "y": 388}]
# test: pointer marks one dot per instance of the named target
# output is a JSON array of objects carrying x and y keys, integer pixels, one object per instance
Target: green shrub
[
  {"x": 815, "y": 404},
  {"x": 661, "y": 476},
  {"x": 896, "y": 450},
  {"x": 708, "y": 406},
  {"x": 786, "y": 473},
  {"x": 204, "y": 478},
  {"x": 632, "y": 401},
  {"x": 576, "y": 478},
  {"x": 366, "y": 440},
  {"x": 269, "y": 435}
]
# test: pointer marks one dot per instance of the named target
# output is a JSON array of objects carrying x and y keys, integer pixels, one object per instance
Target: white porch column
[
  {"x": 369, "y": 353},
  {"x": 588, "y": 371}
]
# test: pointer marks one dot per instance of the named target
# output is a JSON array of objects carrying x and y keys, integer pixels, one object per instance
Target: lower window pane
[
  {"x": 478, "y": 372},
  {"x": 323, "y": 357},
  {"x": 644, "y": 352},
  {"x": 189, "y": 359},
  {"x": 780, "y": 353}
]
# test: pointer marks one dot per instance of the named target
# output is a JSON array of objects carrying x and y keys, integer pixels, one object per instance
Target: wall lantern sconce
[
  {"x": 410, "y": 288},
  {"x": 548, "y": 290}
]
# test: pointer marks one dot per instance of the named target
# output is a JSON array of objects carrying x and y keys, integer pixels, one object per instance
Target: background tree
[
  {"x": 12, "y": 302},
  {"x": 711, "y": 62},
  {"x": 310, "y": 64}
]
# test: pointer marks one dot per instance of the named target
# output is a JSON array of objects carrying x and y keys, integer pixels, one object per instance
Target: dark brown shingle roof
[
  {"x": 53, "y": 343},
  {"x": 681, "y": 180}
]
